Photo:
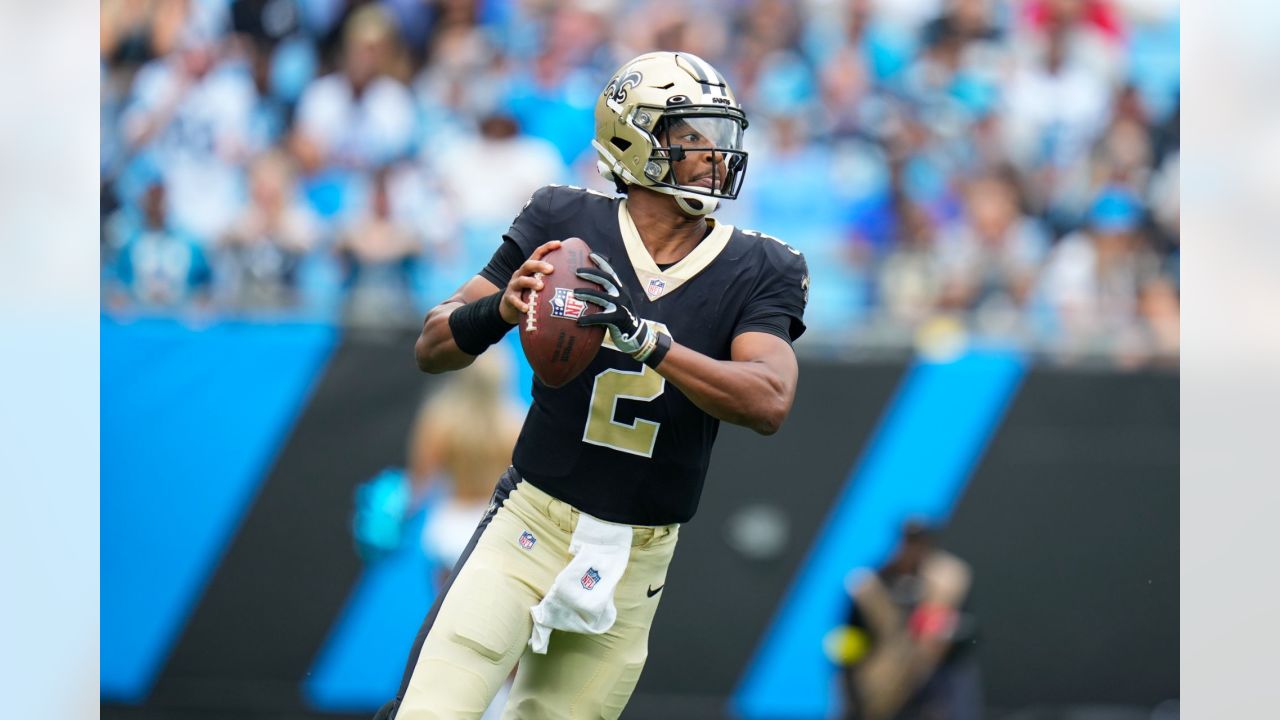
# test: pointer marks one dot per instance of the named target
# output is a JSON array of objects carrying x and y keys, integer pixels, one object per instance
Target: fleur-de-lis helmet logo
[{"x": 617, "y": 89}]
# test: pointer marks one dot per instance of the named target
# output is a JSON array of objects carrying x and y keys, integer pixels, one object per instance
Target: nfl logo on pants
[
  {"x": 527, "y": 540},
  {"x": 590, "y": 579}
]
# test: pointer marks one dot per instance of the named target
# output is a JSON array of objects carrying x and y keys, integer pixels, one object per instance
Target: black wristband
[
  {"x": 477, "y": 325},
  {"x": 659, "y": 350}
]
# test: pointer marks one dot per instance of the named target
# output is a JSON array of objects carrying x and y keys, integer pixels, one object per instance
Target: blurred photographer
[{"x": 905, "y": 652}]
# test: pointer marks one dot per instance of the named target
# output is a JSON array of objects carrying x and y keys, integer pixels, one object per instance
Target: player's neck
[{"x": 667, "y": 233}]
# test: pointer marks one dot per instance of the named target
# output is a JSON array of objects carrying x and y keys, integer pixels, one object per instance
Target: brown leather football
[{"x": 557, "y": 348}]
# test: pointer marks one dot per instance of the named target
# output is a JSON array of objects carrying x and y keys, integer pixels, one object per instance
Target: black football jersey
[{"x": 620, "y": 442}]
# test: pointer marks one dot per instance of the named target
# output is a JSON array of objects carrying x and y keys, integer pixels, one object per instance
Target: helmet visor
[
  {"x": 704, "y": 150},
  {"x": 698, "y": 132}
]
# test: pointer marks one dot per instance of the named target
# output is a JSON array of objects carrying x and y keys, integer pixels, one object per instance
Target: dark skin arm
[
  {"x": 754, "y": 388},
  {"x": 435, "y": 350}
]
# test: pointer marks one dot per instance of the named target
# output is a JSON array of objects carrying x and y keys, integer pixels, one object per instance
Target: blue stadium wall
[{"x": 230, "y": 585}]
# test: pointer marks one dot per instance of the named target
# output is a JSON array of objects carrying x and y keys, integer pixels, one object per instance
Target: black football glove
[{"x": 631, "y": 334}]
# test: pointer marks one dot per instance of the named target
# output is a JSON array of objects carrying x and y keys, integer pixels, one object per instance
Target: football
[{"x": 557, "y": 348}]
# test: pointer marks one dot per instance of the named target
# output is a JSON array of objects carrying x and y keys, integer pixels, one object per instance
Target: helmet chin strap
[
  {"x": 695, "y": 204},
  {"x": 700, "y": 206}
]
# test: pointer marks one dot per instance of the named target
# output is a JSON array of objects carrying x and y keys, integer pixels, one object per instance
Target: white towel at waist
[{"x": 581, "y": 598}]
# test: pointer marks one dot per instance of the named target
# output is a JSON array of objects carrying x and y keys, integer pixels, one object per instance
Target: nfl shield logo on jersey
[
  {"x": 590, "y": 579},
  {"x": 655, "y": 288},
  {"x": 565, "y": 305},
  {"x": 527, "y": 540}
]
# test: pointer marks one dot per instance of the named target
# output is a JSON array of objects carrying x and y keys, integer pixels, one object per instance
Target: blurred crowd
[{"x": 954, "y": 170}]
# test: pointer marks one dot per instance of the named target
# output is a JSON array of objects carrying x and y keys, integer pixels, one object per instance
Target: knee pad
[
  {"x": 492, "y": 628},
  {"x": 483, "y": 641}
]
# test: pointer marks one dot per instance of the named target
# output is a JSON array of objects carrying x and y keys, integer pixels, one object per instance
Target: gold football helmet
[{"x": 663, "y": 108}]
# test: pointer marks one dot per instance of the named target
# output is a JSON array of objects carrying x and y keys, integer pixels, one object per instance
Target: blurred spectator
[
  {"x": 269, "y": 116},
  {"x": 262, "y": 250},
  {"x": 133, "y": 32},
  {"x": 1125, "y": 151},
  {"x": 1088, "y": 33},
  {"x": 991, "y": 257},
  {"x": 1055, "y": 106},
  {"x": 265, "y": 22},
  {"x": 1094, "y": 280},
  {"x": 905, "y": 652},
  {"x": 844, "y": 80},
  {"x": 464, "y": 78},
  {"x": 481, "y": 177},
  {"x": 795, "y": 197},
  {"x": 911, "y": 277},
  {"x": 362, "y": 117},
  {"x": 699, "y": 28},
  {"x": 772, "y": 24},
  {"x": 953, "y": 75},
  {"x": 916, "y": 175},
  {"x": 486, "y": 175},
  {"x": 158, "y": 265},
  {"x": 554, "y": 100},
  {"x": 886, "y": 41},
  {"x": 576, "y": 32},
  {"x": 378, "y": 253},
  {"x": 190, "y": 114}
]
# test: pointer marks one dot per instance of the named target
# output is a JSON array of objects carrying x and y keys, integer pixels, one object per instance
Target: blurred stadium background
[{"x": 988, "y": 195}]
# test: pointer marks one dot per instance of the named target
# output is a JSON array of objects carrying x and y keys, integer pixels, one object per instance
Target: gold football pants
[{"x": 480, "y": 625}]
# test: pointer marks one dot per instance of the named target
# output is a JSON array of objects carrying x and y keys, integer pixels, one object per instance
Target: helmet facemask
[{"x": 698, "y": 152}]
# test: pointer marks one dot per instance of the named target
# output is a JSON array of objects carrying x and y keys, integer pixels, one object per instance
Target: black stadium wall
[{"x": 1067, "y": 510}]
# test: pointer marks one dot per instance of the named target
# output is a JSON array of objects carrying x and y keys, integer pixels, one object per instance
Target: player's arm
[
  {"x": 754, "y": 388},
  {"x": 476, "y": 316}
]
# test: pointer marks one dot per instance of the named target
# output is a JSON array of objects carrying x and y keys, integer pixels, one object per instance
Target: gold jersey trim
[{"x": 661, "y": 283}]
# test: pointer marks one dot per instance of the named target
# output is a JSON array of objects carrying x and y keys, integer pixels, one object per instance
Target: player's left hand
[{"x": 629, "y": 332}]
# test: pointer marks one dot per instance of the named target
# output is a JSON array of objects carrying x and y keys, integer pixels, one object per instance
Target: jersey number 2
[{"x": 637, "y": 438}]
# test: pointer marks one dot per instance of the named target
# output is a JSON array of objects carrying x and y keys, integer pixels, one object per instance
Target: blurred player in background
[
  {"x": 566, "y": 569},
  {"x": 905, "y": 651},
  {"x": 462, "y": 440},
  {"x": 459, "y": 444}
]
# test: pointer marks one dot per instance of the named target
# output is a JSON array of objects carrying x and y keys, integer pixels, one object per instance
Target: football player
[{"x": 700, "y": 318}]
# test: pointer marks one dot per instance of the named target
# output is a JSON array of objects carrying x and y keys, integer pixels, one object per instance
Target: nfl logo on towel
[
  {"x": 527, "y": 540},
  {"x": 565, "y": 305},
  {"x": 655, "y": 288},
  {"x": 590, "y": 579}
]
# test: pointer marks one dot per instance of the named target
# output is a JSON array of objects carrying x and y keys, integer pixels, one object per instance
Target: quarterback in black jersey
[{"x": 564, "y": 573}]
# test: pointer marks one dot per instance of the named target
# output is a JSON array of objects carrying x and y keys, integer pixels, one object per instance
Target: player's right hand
[{"x": 527, "y": 276}]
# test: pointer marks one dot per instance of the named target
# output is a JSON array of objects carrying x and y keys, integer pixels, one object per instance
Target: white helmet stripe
[{"x": 708, "y": 74}]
